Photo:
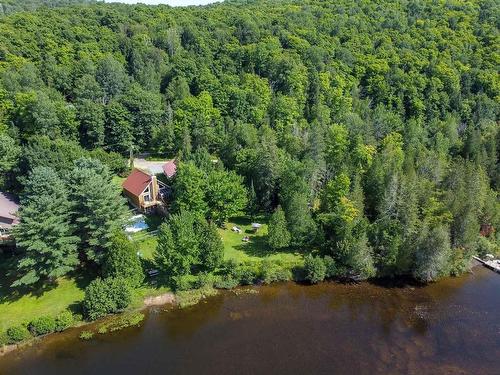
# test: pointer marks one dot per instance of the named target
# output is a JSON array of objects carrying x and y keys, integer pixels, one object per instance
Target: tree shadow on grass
[
  {"x": 257, "y": 246},
  {"x": 147, "y": 265},
  {"x": 8, "y": 275},
  {"x": 157, "y": 281},
  {"x": 83, "y": 278},
  {"x": 9, "y": 293},
  {"x": 248, "y": 220}
]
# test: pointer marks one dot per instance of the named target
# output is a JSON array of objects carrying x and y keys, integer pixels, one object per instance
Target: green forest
[{"x": 367, "y": 132}]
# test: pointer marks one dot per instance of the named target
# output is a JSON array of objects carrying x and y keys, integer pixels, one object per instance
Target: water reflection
[{"x": 450, "y": 327}]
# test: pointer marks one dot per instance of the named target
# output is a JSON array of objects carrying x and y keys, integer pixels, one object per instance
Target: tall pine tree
[
  {"x": 44, "y": 232},
  {"x": 279, "y": 237},
  {"x": 98, "y": 208}
]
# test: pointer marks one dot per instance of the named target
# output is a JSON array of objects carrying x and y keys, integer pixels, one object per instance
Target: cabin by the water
[{"x": 146, "y": 192}]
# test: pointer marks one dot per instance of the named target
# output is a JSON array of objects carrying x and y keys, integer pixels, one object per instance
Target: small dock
[{"x": 493, "y": 265}]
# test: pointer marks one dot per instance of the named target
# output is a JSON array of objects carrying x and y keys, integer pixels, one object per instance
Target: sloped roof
[
  {"x": 8, "y": 206},
  {"x": 169, "y": 169},
  {"x": 136, "y": 182}
]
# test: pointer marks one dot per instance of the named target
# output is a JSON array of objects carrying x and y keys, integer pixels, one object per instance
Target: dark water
[{"x": 451, "y": 327}]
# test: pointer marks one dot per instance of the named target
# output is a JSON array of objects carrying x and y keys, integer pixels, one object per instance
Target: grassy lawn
[
  {"x": 145, "y": 240},
  {"x": 256, "y": 248},
  {"x": 17, "y": 306},
  {"x": 234, "y": 246},
  {"x": 145, "y": 244},
  {"x": 31, "y": 306}
]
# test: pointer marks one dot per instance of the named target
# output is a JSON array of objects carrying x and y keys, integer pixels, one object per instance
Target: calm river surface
[{"x": 451, "y": 327}]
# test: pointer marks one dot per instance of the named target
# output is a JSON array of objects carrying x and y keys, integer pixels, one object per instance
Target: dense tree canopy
[{"x": 373, "y": 125}]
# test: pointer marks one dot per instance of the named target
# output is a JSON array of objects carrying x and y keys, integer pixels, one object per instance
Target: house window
[{"x": 147, "y": 195}]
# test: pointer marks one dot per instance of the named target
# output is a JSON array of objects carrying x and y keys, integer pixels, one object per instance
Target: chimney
[{"x": 154, "y": 188}]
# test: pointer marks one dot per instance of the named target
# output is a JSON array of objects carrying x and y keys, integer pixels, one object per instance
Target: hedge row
[
  {"x": 233, "y": 274},
  {"x": 37, "y": 327}
]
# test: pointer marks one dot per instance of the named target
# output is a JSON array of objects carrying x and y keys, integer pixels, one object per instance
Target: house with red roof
[{"x": 145, "y": 192}]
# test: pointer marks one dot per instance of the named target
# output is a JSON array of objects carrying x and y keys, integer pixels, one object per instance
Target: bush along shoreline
[
  {"x": 185, "y": 277},
  {"x": 109, "y": 300},
  {"x": 44, "y": 325},
  {"x": 107, "y": 306}
]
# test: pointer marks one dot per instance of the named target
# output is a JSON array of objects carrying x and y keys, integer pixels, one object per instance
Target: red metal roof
[
  {"x": 136, "y": 182},
  {"x": 169, "y": 169}
]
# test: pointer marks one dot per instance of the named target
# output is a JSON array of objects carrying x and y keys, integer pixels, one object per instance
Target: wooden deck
[{"x": 493, "y": 265}]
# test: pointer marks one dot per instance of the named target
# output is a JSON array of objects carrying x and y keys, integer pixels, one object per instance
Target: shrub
[
  {"x": 106, "y": 296},
  {"x": 246, "y": 274},
  {"x": 331, "y": 267},
  {"x": 123, "y": 262},
  {"x": 42, "y": 326},
  {"x": 4, "y": 339},
  {"x": 460, "y": 261},
  {"x": 204, "y": 280},
  {"x": 315, "y": 269},
  {"x": 98, "y": 301},
  {"x": 230, "y": 267},
  {"x": 121, "y": 292},
  {"x": 226, "y": 282},
  {"x": 274, "y": 271},
  {"x": 64, "y": 320},
  {"x": 17, "y": 334},
  {"x": 184, "y": 282},
  {"x": 485, "y": 246}
]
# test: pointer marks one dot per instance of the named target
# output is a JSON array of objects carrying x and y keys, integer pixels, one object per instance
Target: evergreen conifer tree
[
  {"x": 279, "y": 237},
  {"x": 44, "y": 232},
  {"x": 98, "y": 208}
]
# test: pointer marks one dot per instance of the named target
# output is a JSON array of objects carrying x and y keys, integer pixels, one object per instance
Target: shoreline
[
  {"x": 149, "y": 301},
  {"x": 181, "y": 299}
]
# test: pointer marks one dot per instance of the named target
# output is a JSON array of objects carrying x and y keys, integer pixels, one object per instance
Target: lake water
[{"x": 451, "y": 327}]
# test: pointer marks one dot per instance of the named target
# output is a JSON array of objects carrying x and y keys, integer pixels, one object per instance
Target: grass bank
[{"x": 19, "y": 306}]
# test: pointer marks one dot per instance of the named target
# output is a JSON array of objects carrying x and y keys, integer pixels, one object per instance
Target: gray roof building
[{"x": 8, "y": 209}]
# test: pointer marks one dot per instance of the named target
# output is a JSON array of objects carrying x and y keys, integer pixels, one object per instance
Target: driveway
[{"x": 153, "y": 167}]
